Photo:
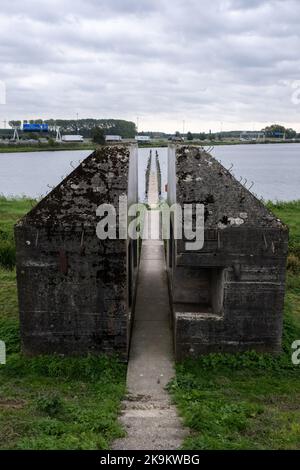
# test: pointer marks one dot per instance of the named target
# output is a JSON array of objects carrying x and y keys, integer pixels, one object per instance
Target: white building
[
  {"x": 113, "y": 138},
  {"x": 248, "y": 136},
  {"x": 142, "y": 138},
  {"x": 72, "y": 138}
]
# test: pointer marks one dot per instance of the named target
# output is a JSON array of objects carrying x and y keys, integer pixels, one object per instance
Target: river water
[{"x": 274, "y": 169}]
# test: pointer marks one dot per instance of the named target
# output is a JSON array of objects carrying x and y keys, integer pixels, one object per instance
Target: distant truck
[
  {"x": 251, "y": 136},
  {"x": 35, "y": 128},
  {"x": 72, "y": 138},
  {"x": 113, "y": 138},
  {"x": 176, "y": 138}
]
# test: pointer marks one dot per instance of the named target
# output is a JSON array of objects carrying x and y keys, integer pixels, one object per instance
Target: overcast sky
[{"x": 211, "y": 63}]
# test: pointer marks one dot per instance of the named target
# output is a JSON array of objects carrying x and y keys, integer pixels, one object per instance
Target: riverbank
[
  {"x": 214, "y": 143},
  {"x": 45, "y": 147},
  {"x": 20, "y": 148}
]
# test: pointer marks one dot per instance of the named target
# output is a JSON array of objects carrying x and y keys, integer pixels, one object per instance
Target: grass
[
  {"x": 248, "y": 400},
  {"x": 50, "y": 402},
  {"x": 289, "y": 212},
  {"x": 10, "y": 211},
  {"x": 45, "y": 147},
  {"x": 59, "y": 403}
]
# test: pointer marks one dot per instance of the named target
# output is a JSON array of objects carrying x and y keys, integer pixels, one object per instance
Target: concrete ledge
[{"x": 198, "y": 333}]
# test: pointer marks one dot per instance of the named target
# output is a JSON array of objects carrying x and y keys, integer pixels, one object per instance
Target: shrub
[
  {"x": 9, "y": 333},
  {"x": 50, "y": 404},
  {"x": 293, "y": 263},
  {"x": 7, "y": 254}
]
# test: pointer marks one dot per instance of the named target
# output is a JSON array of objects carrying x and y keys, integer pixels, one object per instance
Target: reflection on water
[
  {"x": 274, "y": 169},
  {"x": 31, "y": 173}
]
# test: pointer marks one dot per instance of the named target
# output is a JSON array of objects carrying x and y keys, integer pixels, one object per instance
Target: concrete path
[
  {"x": 151, "y": 422},
  {"x": 153, "y": 189}
]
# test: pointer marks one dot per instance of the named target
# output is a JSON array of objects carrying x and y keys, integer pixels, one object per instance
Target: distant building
[
  {"x": 72, "y": 138},
  {"x": 113, "y": 138},
  {"x": 142, "y": 138},
  {"x": 35, "y": 127},
  {"x": 251, "y": 136},
  {"x": 6, "y": 133},
  {"x": 176, "y": 138}
]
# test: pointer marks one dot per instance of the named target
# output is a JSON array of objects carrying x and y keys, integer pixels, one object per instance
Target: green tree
[
  {"x": 189, "y": 136},
  {"x": 51, "y": 142},
  {"x": 14, "y": 123},
  {"x": 32, "y": 136},
  {"x": 290, "y": 133},
  {"x": 98, "y": 135},
  {"x": 276, "y": 130}
]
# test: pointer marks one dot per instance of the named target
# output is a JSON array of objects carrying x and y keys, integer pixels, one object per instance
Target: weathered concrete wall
[
  {"x": 244, "y": 255},
  {"x": 73, "y": 287}
]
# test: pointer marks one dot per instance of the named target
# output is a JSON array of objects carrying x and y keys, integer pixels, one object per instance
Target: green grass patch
[
  {"x": 60, "y": 403},
  {"x": 289, "y": 213},
  {"x": 46, "y": 147},
  {"x": 11, "y": 210}
]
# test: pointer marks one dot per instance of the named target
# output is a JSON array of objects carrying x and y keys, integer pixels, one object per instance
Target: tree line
[
  {"x": 85, "y": 127},
  {"x": 273, "y": 131}
]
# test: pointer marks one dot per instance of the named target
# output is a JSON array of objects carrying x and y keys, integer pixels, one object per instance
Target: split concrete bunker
[
  {"x": 77, "y": 292},
  {"x": 229, "y": 295}
]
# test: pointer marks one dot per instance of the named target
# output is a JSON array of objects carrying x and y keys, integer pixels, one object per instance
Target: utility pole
[
  {"x": 137, "y": 124},
  {"x": 58, "y": 137},
  {"x": 183, "y": 127},
  {"x": 16, "y": 134}
]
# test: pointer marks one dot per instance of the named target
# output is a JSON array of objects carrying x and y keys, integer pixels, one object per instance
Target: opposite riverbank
[
  {"x": 45, "y": 147},
  {"x": 42, "y": 147}
]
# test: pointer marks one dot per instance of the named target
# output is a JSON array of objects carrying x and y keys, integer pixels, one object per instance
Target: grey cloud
[{"x": 224, "y": 60}]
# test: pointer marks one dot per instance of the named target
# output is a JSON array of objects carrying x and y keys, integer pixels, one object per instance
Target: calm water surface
[{"x": 274, "y": 169}]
